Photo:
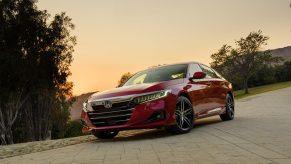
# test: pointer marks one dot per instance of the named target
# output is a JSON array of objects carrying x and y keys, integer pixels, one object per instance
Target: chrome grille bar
[
  {"x": 117, "y": 111},
  {"x": 99, "y": 118}
]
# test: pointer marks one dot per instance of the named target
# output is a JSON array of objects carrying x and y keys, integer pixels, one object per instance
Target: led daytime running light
[{"x": 151, "y": 96}]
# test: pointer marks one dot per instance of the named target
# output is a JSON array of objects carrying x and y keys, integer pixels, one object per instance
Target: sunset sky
[{"x": 118, "y": 36}]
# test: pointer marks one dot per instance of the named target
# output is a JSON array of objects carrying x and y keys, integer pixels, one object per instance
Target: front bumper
[{"x": 142, "y": 116}]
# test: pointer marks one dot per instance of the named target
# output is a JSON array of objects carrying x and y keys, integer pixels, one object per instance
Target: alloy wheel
[
  {"x": 184, "y": 114},
  {"x": 230, "y": 107}
]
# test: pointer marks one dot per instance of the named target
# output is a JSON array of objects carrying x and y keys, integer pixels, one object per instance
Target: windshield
[{"x": 159, "y": 74}]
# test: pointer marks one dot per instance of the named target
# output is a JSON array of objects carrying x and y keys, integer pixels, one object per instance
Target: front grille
[
  {"x": 118, "y": 114},
  {"x": 117, "y": 105}
]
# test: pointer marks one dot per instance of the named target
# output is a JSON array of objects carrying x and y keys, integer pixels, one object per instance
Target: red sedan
[{"x": 170, "y": 96}]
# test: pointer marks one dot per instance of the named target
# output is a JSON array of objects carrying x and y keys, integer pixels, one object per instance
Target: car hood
[{"x": 133, "y": 89}]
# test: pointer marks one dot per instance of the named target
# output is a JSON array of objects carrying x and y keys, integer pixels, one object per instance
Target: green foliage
[
  {"x": 263, "y": 77},
  {"x": 283, "y": 73},
  {"x": 270, "y": 74},
  {"x": 124, "y": 78},
  {"x": 72, "y": 129},
  {"x": 261, "y": 89},
  {"x": 35, "y": 55},
  {"x": 239, "y": 64}
]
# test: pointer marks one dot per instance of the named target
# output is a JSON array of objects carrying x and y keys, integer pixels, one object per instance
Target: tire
[
  {"x": 229, "y": 109},
  {"x": 184, "y": 116},
  {"x": 105, "y": 135}
]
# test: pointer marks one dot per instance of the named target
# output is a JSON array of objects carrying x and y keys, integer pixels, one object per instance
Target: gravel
[{"x": 32, "y": 147}]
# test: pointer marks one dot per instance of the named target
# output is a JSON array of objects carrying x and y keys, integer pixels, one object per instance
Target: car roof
[
  {"x": 190, "y": 62},
  {"x": 160, "y": 66}
]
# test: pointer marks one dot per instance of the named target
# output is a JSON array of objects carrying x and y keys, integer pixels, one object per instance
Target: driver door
[{"x": 199, "y": 90}]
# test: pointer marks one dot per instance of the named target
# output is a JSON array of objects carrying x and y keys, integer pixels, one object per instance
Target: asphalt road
[{"x": 260, "y": 133}]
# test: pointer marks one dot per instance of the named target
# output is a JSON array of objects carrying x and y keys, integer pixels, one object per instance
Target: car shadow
[
  {"x": 207, "y": 121},
  {"x": 148, "y": 134}
]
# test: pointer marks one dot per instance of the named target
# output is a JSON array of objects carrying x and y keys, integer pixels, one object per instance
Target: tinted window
[
  {"x": 217, "y": 74},
  {"x": 158, "y": 74},
  {"x": 193, "y": 68},
  {"x": 208, "y": 71}
]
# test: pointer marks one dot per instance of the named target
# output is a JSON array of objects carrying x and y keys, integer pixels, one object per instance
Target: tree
[
  {"x": 124, "y": 78},
  {"x": 35, "y": 55},
  {"x": 240, "y": 63},
  {"x": 283, "y": 72}
]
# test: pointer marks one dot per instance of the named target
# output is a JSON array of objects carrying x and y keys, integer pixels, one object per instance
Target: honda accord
[{"x": 171, "y": 96}]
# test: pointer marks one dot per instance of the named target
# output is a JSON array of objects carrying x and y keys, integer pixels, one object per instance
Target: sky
[{"x": 119, "y": 36}]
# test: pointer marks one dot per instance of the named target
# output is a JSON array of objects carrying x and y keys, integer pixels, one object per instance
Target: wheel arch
[
  {"x": 185, "y": 95},
  {"x": 231, "y": 94}
]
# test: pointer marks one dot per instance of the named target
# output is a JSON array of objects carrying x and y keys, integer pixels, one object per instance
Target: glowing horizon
[{"x": 115, "y": 37}]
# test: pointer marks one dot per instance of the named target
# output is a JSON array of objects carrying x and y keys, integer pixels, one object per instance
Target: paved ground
[{"x": 260, "y": 133}]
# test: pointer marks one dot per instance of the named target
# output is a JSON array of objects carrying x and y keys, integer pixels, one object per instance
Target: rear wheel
[
  {"x": 184, "y": 116},
  {"x": 105, "y": 135},
  {"x": 229, "y": 107}
]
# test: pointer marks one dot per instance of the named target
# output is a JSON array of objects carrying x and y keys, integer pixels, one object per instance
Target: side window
[
  {"x": 193, "y": 68},
  {"x": 217, "y": 74},
  {"x": 208, "y": 71}
]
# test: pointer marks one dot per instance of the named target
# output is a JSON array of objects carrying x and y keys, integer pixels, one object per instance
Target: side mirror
[{"x": 198, "y": 75}]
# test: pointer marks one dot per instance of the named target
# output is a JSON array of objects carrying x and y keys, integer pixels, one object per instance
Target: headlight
[
  {"x": 87, "y": 107},
  {"x": 151, "y": 96}
]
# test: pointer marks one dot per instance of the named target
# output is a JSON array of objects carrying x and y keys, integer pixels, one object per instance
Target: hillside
[
  {"x": 77, "y": 106},
  {"x": 285, "y": 52}
]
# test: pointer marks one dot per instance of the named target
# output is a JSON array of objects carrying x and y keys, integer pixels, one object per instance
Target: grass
[{"x": 261, "y": 89}]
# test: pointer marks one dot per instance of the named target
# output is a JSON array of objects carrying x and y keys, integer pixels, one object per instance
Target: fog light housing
[{"x": 157, "y": 116}]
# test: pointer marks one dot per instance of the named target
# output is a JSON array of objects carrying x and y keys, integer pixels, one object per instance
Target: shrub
[{"x": 72, "y": 129}]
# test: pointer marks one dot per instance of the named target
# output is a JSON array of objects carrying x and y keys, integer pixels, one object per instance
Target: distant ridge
[
  {"x": 76, "y": 108},
  {"x": 284, "y": 53}
]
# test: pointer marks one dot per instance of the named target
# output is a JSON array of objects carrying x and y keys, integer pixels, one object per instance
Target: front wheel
[
  {"x": 229, "y": 107},
  {"x": 184, "y": 116},
  {"x": 105, "y": 135}
]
